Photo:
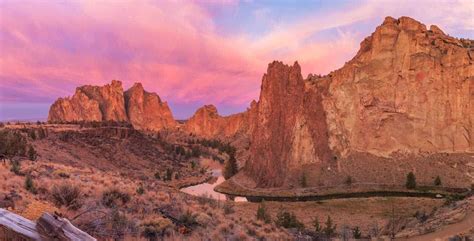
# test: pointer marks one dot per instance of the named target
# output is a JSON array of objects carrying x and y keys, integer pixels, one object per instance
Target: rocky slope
[
  {"x": 408, "y": 91},
  {"x": 109, "y": 103}
]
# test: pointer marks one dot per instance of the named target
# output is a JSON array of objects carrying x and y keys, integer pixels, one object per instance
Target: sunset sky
[{"x": 189, "y": 52}]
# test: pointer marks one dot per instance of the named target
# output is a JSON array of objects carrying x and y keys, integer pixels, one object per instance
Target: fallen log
[
  {"x": 49, "y": 227},
  {"x": 14, "y": 227},
  {"x": 60, "y": 229}
]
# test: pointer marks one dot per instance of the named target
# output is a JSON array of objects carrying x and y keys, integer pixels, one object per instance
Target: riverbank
[{"x": 231, "y": 187}]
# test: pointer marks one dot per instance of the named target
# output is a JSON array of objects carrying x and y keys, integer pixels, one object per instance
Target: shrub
[
  {"x": 29, "y": 184},
  {"x": 157, "y": 175},
  {"x": 228, "y": 208},
  {"x": 230, "y": 168},
  {"x": 262, "y": 213},
  {"x": 168, "y": 175},
  {"x": 288, "y": 220},
  {"x": 316, "y": 225},
  {"x": 356, "y": 233},
  {"x": 15, "y": 167},
  {"x": 437, "y": 181},
  {"x": 188, "y": 218},
  {"x": 32, "y": 153},
  {"x": 330, "y": 228},
  {"x": 411, "y": 181},
  {"x": 348, "y": 181},
  {"x": 67, "y": 195},
  {"x": 112, "y": 198},
  {"x": 152, "y": 230},
  {"x": 140, "y": 190},
  {"x": 303, "y": 180}
]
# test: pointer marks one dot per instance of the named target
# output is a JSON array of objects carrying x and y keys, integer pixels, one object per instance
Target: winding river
[{"x": 207, "y": 189}]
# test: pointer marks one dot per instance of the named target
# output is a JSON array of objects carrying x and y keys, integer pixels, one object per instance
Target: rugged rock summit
[
  {"x": 109, "y": 103},
  {"x": 208, "y": 123},
  {"x": 146, "y": 110},
  {"x": 289, "y": 128}
]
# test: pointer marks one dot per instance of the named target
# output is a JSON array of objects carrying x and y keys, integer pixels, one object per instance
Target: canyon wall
[
  {"x": 145, "y": 111},
  {"x": 408, "y": 91}
]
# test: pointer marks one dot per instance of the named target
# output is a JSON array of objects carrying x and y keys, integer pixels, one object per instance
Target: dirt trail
[{"x": 449, "y": 230}]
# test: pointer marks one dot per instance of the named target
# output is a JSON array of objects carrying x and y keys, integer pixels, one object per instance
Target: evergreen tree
[
  {"x": 330, "y": 228},
  {"x": 411, "y": 181},
  {"x": 32, "y": 153},
  {"x": 437, "y": 181},
  {"x": 29, "y": 185},
  {"x": 230, "y": 168},
  {"x": 316, "y": 225},
  {"x": 356, "y": 233}
]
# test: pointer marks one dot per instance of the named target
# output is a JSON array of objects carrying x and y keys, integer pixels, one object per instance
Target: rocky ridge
[{"x": 145, "y": 111}]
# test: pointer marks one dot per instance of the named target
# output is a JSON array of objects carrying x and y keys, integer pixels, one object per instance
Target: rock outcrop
[
  {"x": 408, "y": 91},
  {"x": 289, "y": 128},
  {"x": 110, "y": 99},
  {"x": 207, "y": 122},
  {"x": 78, "y": 108},
  {"x": 146, "y": 110}
]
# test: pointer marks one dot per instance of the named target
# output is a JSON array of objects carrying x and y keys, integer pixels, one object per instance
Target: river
[{"x": 207, "y": 189}]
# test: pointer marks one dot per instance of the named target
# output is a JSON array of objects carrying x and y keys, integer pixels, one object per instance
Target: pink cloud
[{"x": 172, "y": 47}]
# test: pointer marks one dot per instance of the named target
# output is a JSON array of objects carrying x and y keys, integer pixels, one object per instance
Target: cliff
[
  {"x": 408, "y": 91},
  {"x": 145, "y": 111},
  {"x": 207, "y": 122}
]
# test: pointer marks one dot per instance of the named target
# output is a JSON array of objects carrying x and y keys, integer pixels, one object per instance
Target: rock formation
[
  {"x": 408, "y": 91},
  {"x": 146, "y": 110},
  {"x": 110, "y": 99},
  {"x": 143, "y": 110},
  {"x": 78, "y": 108},
  {"x": 207, "y": 122}
]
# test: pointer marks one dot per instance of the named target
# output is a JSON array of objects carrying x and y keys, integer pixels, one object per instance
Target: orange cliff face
[
  {"x": 408, "y": 91},
  {"x": 146, "y": 110},
  {"x": 143, "y": 110}
]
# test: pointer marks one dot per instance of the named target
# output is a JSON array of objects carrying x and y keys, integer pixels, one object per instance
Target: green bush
[
  {"x": 67, "y": 195},
  {"x": 29, "y": 184},
  {"x": 157, "y": 175},
  {"x": 356, "y": 233},
  {"x": 230, "y": 168},
  {"x": 303, "y": 181},
  {"x": 32, "y": 153},
  {"x": 15, "y": 167},
  {"x": 288, "y": 220},
  {"x": 348, "y": 181},
  {"x": 140, "y": 190},
  {"x": 188, "y": 218},
  {"x": 330, "y": 228},
  {"x": 262, "y": 213},
  {"x": 437, "y": 181},
  {"x": 411, "y": 181},
  {"x": 113, "y": 198},
  {"x": 317, "y": 227}
]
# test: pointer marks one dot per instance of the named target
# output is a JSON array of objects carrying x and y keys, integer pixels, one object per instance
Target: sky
[{"x": 190, "y": 53}]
